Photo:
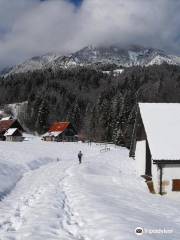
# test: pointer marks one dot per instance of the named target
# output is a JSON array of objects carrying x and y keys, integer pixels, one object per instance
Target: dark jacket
[{"x": 80, "y": 155}]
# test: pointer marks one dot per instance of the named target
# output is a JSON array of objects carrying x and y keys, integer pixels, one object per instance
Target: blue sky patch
[{"x": 76, "y": 2}]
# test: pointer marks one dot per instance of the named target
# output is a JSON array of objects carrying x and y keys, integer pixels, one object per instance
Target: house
[
  {"x": 61, "y": 131},
  {"x": 115, "y": 72},
  {"x": 155, "y": 146},
  {"x": 7, "y": 124},
  {"x": 13, "y": 135}
]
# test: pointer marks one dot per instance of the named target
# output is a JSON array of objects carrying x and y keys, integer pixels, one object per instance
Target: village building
[
  {"x": 155, "y": 146},
  {"x": 115, "y": 72},
  {"x": 14, "y": 135},
  {"x": 61, "y": 131},
  {"x": 5, "y": 125}
]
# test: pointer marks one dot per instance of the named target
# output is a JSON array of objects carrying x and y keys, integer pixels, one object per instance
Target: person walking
[{"x": 80, "y": 157}]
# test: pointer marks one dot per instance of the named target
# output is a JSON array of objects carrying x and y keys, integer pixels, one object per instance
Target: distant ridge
[{"x": 126, "y": 57}]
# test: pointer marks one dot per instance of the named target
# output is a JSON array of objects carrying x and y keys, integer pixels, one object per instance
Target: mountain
[
  {"x": 35, "y": 63},
  {"x": 100, "y": 106},
  {"x": 127, "y": 57},
  {"x": 131, "y": 56}
]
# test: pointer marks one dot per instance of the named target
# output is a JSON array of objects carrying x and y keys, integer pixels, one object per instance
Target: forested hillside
[{"x": 102, "y": 107}]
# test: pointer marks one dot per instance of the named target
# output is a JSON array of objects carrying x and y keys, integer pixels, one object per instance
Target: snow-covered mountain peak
[
  {"x": 127, "y": 56},
  {"x": 133, "y": 55},
  {"x": 35, "y": 63}
]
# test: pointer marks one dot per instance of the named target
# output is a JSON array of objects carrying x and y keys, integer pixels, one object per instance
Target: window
[{"x": 176, "y": 185}]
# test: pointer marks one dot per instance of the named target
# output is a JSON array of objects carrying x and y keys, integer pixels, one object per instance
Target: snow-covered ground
[{"x": 47, "y": 195}]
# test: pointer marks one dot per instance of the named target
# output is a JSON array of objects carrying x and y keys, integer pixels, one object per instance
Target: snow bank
[
  {"x": 18, "y": 158},
  {"x": 9, "y": 176}
]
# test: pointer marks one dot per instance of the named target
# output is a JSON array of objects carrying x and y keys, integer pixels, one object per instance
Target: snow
[
  {"x": 115, "y": 72},
  {"x": 91, "y": 54},
  {"x": 162, "y": 126},
  {"x": 35, "y": 63},
  {"x": 5, "y": 118},
  {"x": 13, "y": 108},
  {"x": 16, "y": 108},
  {"x": 48, "y": 195},
  {"x": 106, "y": 72},
  {"x": 176, "y": 59},
  {"x": 10, "y": 131},
  {"x": 158, "y": 60},
  {"x": 118, "y": 70},
  {"x": 133, "y": 56},
  {"x": 54, "y": 134}
]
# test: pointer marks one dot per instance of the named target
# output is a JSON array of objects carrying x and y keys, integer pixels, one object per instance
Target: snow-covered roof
[
  {"x": 106, "y": 72},
  {"x": 52, "y": 134},
  {"x": 6, "y": 118},
  {"x": 162, "y": 126},
  {"x": 118, "y": 70},
  {"x": 115, "y": 72},
  {"x": 10, "y": 131}
]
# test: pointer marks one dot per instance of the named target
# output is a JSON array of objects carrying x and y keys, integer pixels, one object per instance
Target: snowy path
[
  {"x": 20, "y": 209},
  {"x": 102, "y": 199},
  {"x": 38, "y": 207}
]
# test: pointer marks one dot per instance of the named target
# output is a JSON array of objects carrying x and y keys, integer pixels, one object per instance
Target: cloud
[
  {"x": 33, "y": 27},
  {"x": 149, "y": 22}
]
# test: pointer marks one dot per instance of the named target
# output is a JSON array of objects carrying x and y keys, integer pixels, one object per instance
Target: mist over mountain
[{"x": 31, "y": 28}]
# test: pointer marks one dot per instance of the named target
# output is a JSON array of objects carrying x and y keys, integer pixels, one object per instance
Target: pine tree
[{"x": 42, "y": 117}]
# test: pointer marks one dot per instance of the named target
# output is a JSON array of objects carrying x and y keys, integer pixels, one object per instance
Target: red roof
[
  {"x": 59, "y": 126},
  {"x": 5, "y": 125}
]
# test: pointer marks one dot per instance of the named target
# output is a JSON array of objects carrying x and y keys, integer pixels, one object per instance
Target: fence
[{"x": 106, "y": 149}]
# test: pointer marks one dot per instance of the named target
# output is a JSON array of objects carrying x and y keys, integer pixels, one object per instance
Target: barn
[
  {"x": 61, "y": 131},
  {"x": 5, "y": 125},
  {"x": 155, "y": 146},
  {"x": 13, "y": 135}
]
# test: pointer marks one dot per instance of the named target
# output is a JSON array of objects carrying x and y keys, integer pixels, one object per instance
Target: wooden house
[
  {"x": 61, "y": 131},
  {"x": 7, "y": 124},
  {"x": 13, "y": 135},
  {"x": 155, "y": 145}
]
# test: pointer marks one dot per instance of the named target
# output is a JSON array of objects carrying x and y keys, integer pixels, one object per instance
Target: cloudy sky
[{"x": 33, "y": 27}]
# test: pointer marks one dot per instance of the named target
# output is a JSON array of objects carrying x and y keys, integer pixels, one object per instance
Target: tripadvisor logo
[{"x": 139, "y": 231}]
